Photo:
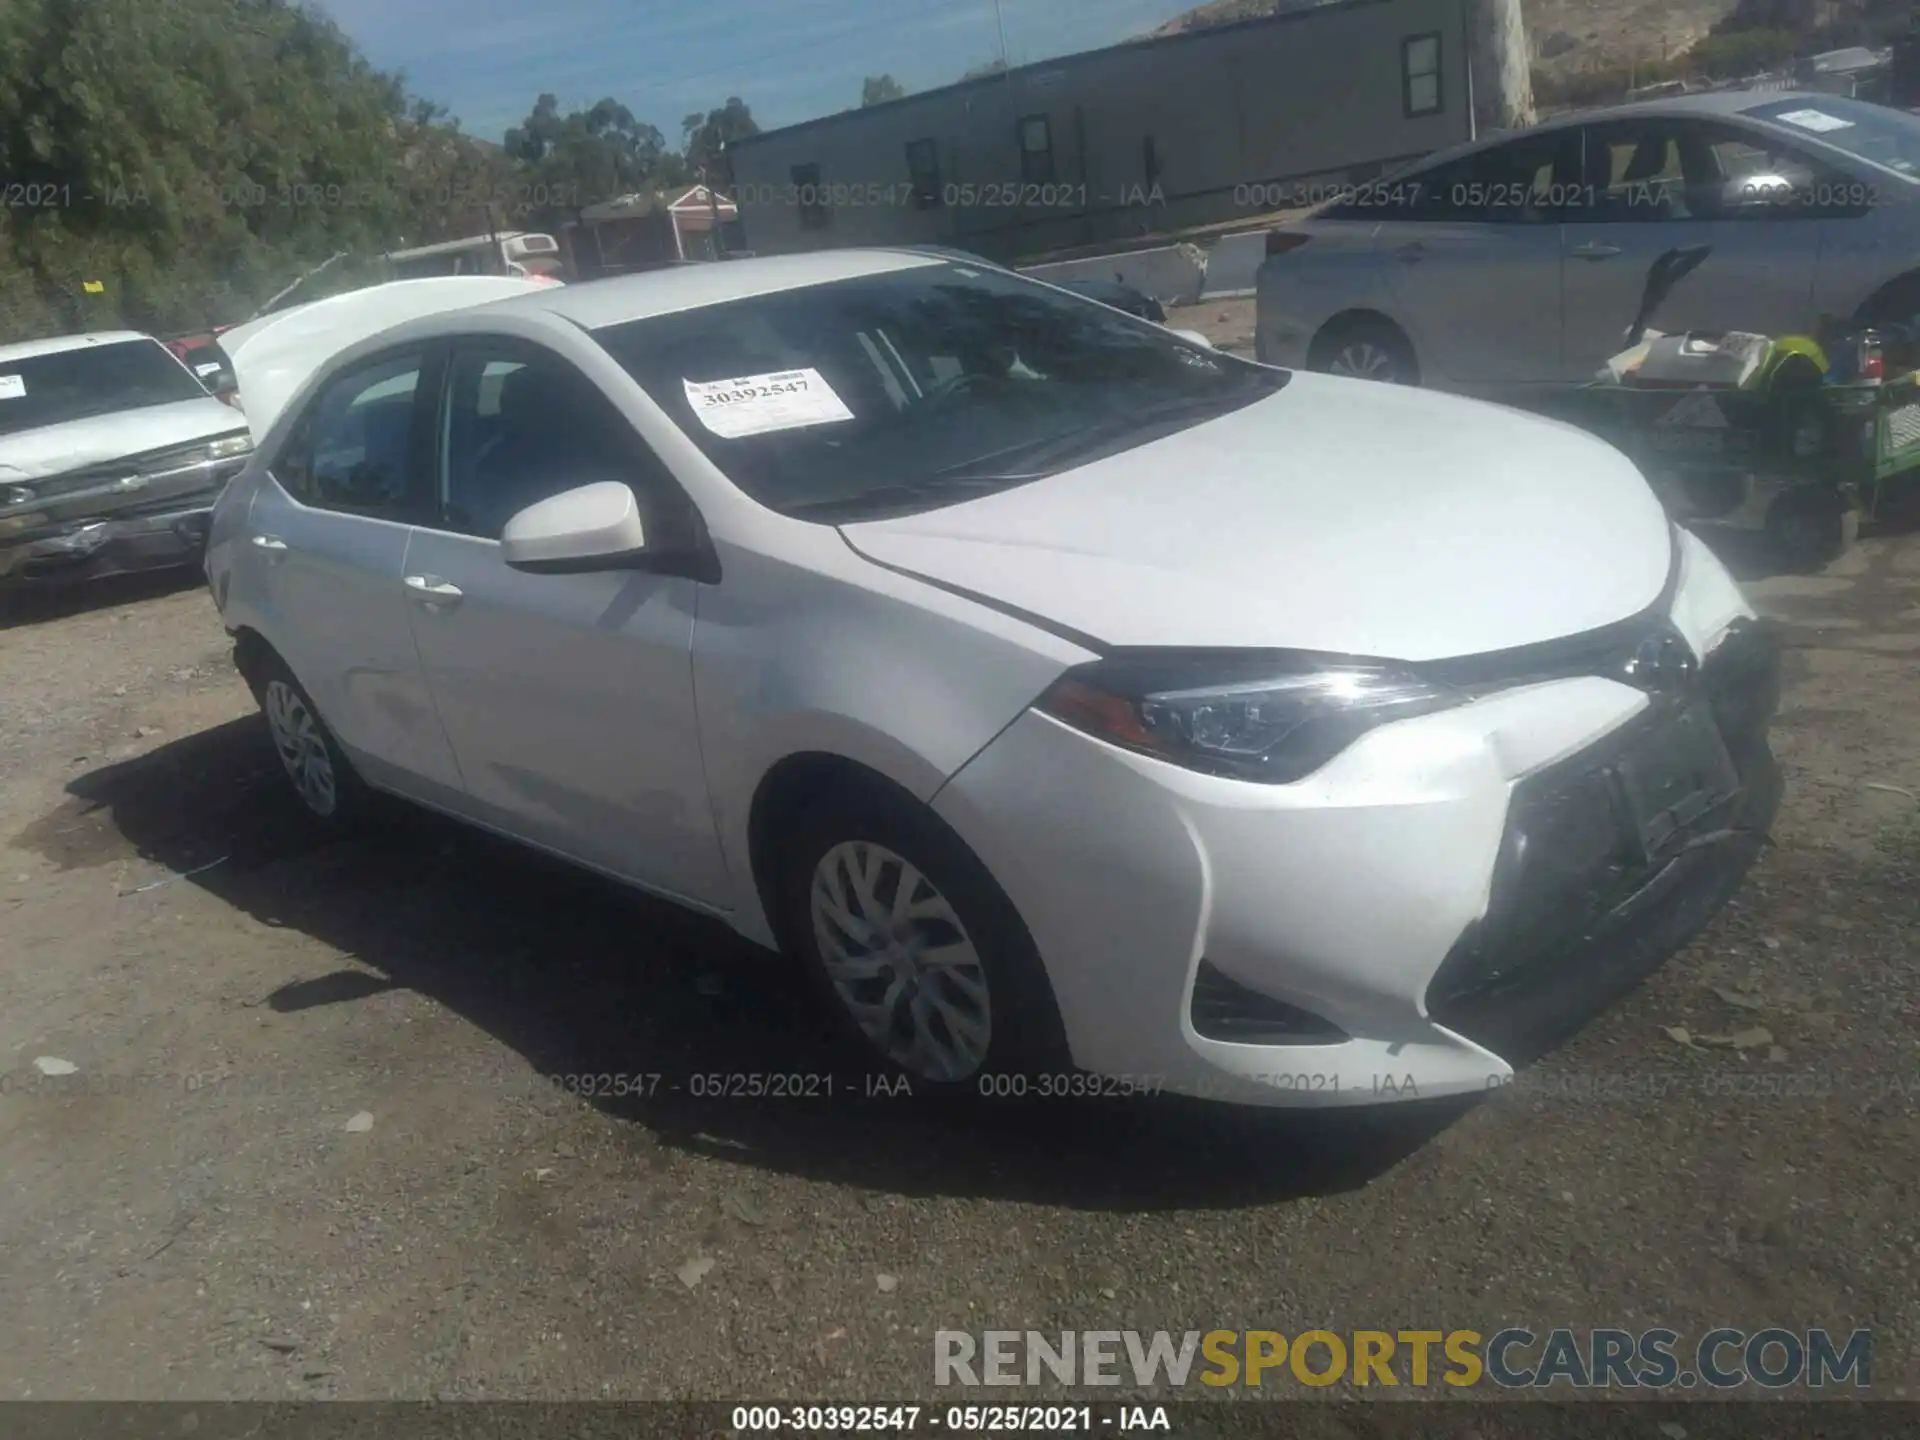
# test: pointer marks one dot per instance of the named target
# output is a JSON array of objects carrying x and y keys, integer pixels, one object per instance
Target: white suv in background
[{"x": 1030, "y": 674}]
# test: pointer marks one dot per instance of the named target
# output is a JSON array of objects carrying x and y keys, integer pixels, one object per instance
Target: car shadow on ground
[
  {"x": 41, "y": 604},
  {"x": 582, "y": 977}
]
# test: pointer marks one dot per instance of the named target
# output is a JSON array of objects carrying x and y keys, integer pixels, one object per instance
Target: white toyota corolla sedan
[{"x": 1069, "y": 699}]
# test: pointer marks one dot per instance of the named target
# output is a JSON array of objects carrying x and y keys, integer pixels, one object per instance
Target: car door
[
  {"x": 568, "y": 698},
  {"x": 1472, "y": 258},
  {"x": 1634, "y": 207},
  {"x": 325, "y": 542}
]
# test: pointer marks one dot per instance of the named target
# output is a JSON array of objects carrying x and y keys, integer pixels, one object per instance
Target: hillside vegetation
[{"x": 172, "y": 164}]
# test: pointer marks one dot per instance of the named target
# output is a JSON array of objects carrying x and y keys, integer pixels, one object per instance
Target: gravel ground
[{"x": 384, "y": 1198}]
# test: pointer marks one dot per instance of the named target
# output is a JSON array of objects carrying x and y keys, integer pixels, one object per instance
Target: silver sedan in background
[{"x": 1518, "y": 261}]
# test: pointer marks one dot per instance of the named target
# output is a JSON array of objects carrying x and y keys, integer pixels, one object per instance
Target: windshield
[
  {"x": 920, "y": 387},
  {"x": 1875, "y": 133},
  {"x": 91, "y": 380}
]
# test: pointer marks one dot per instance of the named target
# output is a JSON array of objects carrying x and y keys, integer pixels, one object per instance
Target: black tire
[
  {"x": 1024, "y": 1035},
  {"x": 1365, "y": 347},
  {"x": 307, "y": 750},
  {"x": 1810, "y": 525}
]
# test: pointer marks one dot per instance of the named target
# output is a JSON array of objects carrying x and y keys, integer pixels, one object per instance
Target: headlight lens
[
  {"x": 1264, "y": 717},
  {"x": 232, "y": 445}
]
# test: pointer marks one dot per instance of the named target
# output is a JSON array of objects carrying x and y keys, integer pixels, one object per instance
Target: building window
[
  {"x": 1036, "y": 150},
  {"x": 811, "y": 196},
  {"x": 923, "y": 165},
  {"x": 1420, "y": 74}
]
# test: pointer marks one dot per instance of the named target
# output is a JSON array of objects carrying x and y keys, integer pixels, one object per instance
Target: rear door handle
[
  {"x": 270, "y": 543},
  {"x": 1411, "y": 253},
  {"x": 432, "y": 590},
  {"x": 1596, "y": 250}
]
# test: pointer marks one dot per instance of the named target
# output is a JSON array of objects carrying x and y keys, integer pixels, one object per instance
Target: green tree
[
  {"x": 705, "y": 137},
  {"x": 587, "y": 156},
  {"x": 878, "y": 89},
  {"x": 190, "y": 155}
]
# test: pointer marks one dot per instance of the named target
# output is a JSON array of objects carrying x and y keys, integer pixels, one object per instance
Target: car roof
[
  {"x": 1706, "y": 103},
  {"x": 617, "y": 299},
  {"x": 54, "y": 345}
]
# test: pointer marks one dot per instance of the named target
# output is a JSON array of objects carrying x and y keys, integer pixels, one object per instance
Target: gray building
[{"x": 1163, "y": 133}]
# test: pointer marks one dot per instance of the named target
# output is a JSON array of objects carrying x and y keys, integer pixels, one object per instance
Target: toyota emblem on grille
[{"x": 1661, "y": 661}]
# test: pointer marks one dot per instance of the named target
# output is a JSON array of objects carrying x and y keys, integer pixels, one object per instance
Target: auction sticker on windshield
[
  {"x": 757, "y": 404},
  {"x": 12, "y": 386},
  {"x": 1813, "y": 120}
]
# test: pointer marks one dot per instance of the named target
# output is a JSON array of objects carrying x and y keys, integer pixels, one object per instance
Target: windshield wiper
[
  {"x": 1045, "y": 457},
  {"x": 887, "y": 497}
]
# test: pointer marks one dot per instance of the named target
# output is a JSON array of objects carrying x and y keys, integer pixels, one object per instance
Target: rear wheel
[
  {"x": 914, "y": 949},
  {"x": 323, "y": 778},
  {"x": 1365, "y": 348}
]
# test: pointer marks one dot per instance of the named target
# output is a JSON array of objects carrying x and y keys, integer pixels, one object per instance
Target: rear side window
[{"x": 1533, "y": 180}]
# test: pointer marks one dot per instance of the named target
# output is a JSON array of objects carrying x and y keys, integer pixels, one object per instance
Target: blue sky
[{"x": 789, "y": 60}]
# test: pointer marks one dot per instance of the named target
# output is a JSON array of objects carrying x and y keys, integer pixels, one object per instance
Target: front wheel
[
  {"x": 915, "y": 950},
  {"x": 1810, "y": 526}
]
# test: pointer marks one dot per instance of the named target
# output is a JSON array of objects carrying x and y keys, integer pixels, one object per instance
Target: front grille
[
  {"x": 1578, "y": 909},
  {"x": 1224, "y": 1009},
  {"x": 150, "y": 462}
]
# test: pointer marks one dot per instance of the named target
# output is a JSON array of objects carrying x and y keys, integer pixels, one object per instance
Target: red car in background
[{"x": 201, "y": 354}]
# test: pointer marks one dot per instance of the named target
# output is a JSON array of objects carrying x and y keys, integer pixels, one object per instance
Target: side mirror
[
  {"x": 1193, "y": 337},
  {"x": 592, "y": 527}
]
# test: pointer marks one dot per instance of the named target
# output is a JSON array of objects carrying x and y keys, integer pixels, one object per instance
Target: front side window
[
  {"x": 1420, "y": 74},
  {"x": 920, "y": 387},
  {"x": 520, "y": 426},
  {"x": 1749, "y": 175},
  {"x": 90, "y": 381}
]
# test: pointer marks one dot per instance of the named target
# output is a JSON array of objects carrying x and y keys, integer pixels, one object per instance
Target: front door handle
[
  {"x": 432, "y": 590},
  {"x": 1411, "y": 253},
  {"x": 1596, "y": 250}
]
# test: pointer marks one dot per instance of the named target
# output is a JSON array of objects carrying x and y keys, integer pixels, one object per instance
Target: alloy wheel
[
  {"x": 900, "y": 961},
  {"x": 1364, "y": 360},
  {"x": 303, "y": 748}
]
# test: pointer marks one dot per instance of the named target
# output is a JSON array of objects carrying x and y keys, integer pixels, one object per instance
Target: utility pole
[{"x": 713, "y": 207}]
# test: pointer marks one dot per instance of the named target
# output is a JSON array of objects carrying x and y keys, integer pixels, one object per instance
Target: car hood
[
  {"x": 1336, "y": 515},
  {"x": 77, "y": 444},
  {"x": 272, "y": 357}
]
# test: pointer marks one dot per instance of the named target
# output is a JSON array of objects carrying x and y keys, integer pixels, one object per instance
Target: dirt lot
[{"x": 384, "y": 1198}]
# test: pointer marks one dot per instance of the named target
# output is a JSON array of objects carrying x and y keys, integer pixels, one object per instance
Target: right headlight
[{"x": 1265, "y": 717}]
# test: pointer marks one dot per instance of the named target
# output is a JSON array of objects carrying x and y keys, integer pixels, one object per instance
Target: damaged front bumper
[{"x": 117, "y": 526}]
